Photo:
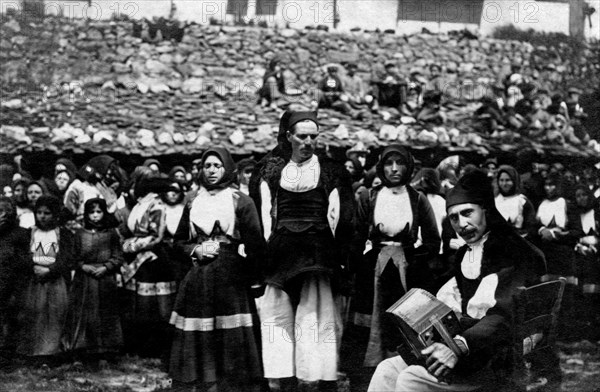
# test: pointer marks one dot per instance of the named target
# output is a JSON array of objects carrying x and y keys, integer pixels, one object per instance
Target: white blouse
[
  {"x": 44, "y": 246},
  {"x": 173, "y": 215},
  {"x": 549, "y": 210},
  {"x": 511, "y": 208},
  {"x": 588, "y": 222},
  {"x": 209, "y": 207},
  {"x": 393, "y": 211}
]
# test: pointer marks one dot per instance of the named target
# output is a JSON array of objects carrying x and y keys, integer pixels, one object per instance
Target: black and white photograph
[{"x": 299, "y": 195}]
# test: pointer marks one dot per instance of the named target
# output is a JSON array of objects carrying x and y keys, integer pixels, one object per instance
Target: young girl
[
  {"x": 93, "y": 325},
  {"x": 43, "y": 302}
]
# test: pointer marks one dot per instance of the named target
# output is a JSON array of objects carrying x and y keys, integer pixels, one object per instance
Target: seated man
[
  {"x": 331, "y": 90},
  {"x": 355, "y": 89},
  {"x": 275, "y": 86},
  {"x": 492, "y": 264},
  {"x": 392, "y": 89}
]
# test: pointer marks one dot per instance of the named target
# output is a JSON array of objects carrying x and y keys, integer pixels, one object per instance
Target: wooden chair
[{"x": 536, "y": 365}]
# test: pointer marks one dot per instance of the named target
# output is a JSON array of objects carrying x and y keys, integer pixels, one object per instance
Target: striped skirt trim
[
  {"x": 211, "y": 323},
  {"x": 148, "y": 289}
]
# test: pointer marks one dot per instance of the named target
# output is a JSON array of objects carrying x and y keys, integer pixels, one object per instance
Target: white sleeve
[
  {"x": 333, "y": 210},
  {"x": 450, "y": 295},
  {"x": 265, "y": 209}
]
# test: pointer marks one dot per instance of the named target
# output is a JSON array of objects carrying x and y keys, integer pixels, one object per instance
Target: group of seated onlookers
[
  {"x": 516, "y": 103},
  {"x": 521, "y": 106}
]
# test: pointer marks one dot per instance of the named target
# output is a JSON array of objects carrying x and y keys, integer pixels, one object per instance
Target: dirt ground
[{"x": 580, "y": 363}]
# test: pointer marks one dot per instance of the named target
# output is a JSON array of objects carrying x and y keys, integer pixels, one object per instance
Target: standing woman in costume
[
  {"x": 559, "y": 229},
  {"x": 147, "y": 275},
  {"x": 588, "y": 262},
  {"x": 216, "y": 339},
  {"x": 514, "y": 206},
  {"x": 43, "y": 302},
  {"x": 392, "y": 218},
  {"x": 175, "y": 202},
  {"x": 93, "y": 324},
  {"x": 15, "y": 260}
]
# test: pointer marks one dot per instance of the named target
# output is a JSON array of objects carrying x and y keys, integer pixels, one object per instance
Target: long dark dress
[
  {"x": 216, "y": 327},
  {"x": 148, "y": 279},
  {"x": 15, "y": 259},
  {"x": 43, "y": 301},
  {"x": 93, "y": 319}
]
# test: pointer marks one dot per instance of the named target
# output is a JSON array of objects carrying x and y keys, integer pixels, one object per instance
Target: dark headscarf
[
  {"x": 101, "y": 163},
  {"x": 9, "y": 219},
  {"x": 514, "y": 175},
  {"x": 591, "y": 200},
  {"x": 244, "y": 163},
  {"x": 69, "y": 166},
  {"x": 407, "y": 158},
  {"x": 555, "y": 178},
  {"x": 427, "y": 181},
  {"x": 152, "y": 184},
  {"x": 25, "y": 183},
  {"x": 176, "y": 169},
  {"x": 107, "y": 221},
  {"x": 228, "y": 164},
  {"x": 359, "y": 171},
  {"x": 38, "y": 183},
  {"x": 179, "y": 187},
  {"x": 54, "y": 205}
]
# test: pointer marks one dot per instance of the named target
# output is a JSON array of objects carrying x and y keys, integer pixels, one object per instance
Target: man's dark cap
[
  {"x": 296, "y": 117},
  {"x": 474, "y": 187}
]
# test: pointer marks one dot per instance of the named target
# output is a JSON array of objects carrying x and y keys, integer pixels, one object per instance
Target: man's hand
[{"x": 440, "y": 361}]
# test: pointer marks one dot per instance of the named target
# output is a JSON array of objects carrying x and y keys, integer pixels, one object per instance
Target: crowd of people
[
  {"x": 527, "y": 101},
  {"x": 276, "y": 274}
]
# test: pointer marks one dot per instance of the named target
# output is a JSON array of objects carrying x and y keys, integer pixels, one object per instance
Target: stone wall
[{"x": 91, "y": 85}]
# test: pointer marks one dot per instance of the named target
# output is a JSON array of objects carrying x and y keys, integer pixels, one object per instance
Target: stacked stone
[{"x": 91, "y": 85}]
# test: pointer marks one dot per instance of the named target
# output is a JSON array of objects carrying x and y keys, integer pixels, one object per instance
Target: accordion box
[{"x": 423, "y": 320}]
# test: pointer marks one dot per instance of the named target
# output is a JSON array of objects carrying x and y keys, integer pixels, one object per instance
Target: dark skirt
[
  {"x": 93, "y": 318},
  {"x": 43, "y": 306},
  {"x": 560, "y": 258},
  {"x": 358, "y": 326},
  {"x": 216, "y": 334},
  {"x": 147, "y": 302}
]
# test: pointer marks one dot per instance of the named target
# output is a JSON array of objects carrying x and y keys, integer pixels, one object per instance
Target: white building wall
[
  {"x": 525, "y": 14},
  {"x": 366, "y": 14}
]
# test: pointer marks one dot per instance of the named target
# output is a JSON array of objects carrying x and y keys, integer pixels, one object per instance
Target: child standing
[
  {"x": 93, "y": 325},
  {"x": 43, "y": 302}
]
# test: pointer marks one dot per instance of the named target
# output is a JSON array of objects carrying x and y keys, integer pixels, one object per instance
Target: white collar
[
  {"x": 312, "y": 159},
  {"x": 479, "y": 243}
]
